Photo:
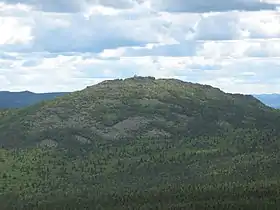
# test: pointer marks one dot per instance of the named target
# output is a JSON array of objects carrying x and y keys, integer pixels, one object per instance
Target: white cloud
[
  {"x": 208, "y": 49},
  {"x": 214, "y": 5},
  {"x": 74, "y": 72},
  {"x": 14, "y": 31},
  {"x": 47, "y": 47},
  {"x": 167, "y": 5}
]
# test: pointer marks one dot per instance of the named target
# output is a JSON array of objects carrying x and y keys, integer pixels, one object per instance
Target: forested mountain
[
  {"x": 272, "y": 100},
  {"x": 141, "y": 143},
  {"x": 24, "y": 98}
]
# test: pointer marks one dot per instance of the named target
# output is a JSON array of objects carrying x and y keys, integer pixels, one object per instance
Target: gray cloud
[
  {"x": 184, "y": 45},
  {"x": 53, "y": 5},
  {"x": 5, "y": 56},
  {"x": 71, "y": 6},
  {"x": 197, "y": 6},
  {"x": 31, "y": 63},
  {"x": 84, "y": 36},
  {"x": 189, "y": 49},
  {"x": 200, "y": 6}
]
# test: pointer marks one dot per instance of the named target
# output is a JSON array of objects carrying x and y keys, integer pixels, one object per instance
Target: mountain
[
  {"x": 272, "y": 100},
  {"x": 24, "y": 98},
  {"x": 141, "y": 143}
]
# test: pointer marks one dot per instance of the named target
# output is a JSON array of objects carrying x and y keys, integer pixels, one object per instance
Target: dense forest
[{"x": 141, "y": 143}]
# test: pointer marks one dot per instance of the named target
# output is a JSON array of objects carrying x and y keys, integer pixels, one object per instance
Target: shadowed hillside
[{"x": 141, "y": 143}]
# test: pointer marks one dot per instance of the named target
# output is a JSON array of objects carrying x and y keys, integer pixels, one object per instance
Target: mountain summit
[
  {"x": 133, "y": 107},
  {"x": 143, "y": 143}
]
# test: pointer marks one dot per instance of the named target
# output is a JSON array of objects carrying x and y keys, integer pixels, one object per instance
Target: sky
[{"x": 66, "y": 45}]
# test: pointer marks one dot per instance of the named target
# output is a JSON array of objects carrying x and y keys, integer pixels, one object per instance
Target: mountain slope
[
  {"x": 141, "y": 143},
  {"x": 272, "y": 100},
  {"x": 25, "y": 98},
  {"x": 136, "y": 106}
]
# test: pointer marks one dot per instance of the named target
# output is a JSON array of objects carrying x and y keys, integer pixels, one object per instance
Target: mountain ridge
[
  {"x": 141, "y": 143},
  {"x": 272, "y": 100},
  {"x": 103, "y": 106},
  {"x": 21, "y": 99}
]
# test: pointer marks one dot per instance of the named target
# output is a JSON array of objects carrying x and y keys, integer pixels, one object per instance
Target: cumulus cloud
[
  {"x": 51, "y": 5},
  {"x": 8, "y": 34},
  {"x": 55, "y": 32},
  {"x": 201, "y": 6},
  {"x": 198, "y": 6},
  {"x": 72, "y": 72},
  {"x": 209, "y": 49},
  {"x": 73, "y": 6},
  {"x": 86, "y": 41}
]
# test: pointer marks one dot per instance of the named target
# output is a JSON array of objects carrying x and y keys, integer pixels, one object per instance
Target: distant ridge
[
  {"x": 272, "y": 100},
  {"x": 24, "y": 98},
  {"x": 21, "y": 99}
]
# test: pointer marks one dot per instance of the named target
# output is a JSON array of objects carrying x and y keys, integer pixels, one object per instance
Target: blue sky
[{"x": 65, "y": 45}]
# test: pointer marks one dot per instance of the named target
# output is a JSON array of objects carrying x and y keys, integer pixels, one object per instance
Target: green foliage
[{"x": 141, "y": 143}]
